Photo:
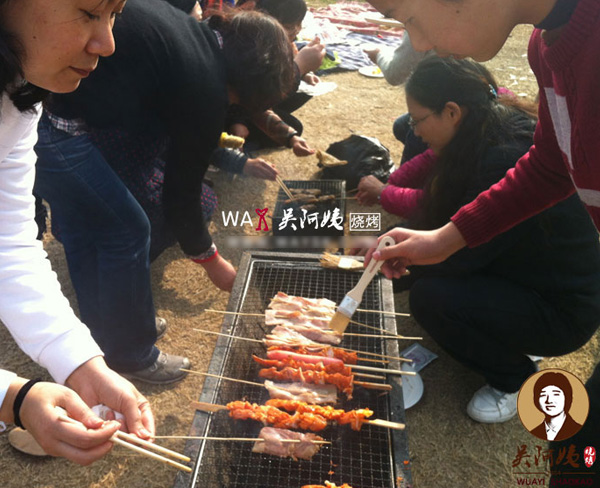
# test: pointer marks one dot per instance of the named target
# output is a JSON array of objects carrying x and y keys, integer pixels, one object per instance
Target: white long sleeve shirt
[{"x": 32, "y": 305}]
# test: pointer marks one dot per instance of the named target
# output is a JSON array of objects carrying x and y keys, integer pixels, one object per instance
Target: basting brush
[{"x": 350, "y": 303}]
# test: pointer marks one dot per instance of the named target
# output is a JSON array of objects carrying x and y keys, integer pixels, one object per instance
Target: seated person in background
[
  {"x": 126, "y": 155},
  {"x": 534, "y": 290},
  {"x": 396, "y": 66}
]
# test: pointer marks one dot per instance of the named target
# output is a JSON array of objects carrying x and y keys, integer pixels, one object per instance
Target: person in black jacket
[{"x": 151, "y": 115}]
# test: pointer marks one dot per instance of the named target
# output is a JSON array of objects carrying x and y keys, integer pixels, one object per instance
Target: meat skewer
[
  {"x": 388, "y": 335},
  {"x": 328, "y": 485},
  {"x": 318, "y": 441},
  {"x": 319, "y": 394},
  {"x": 273, "y": 441},
  {"x": 278, "y": 418},
  {"x": 343, "y": 383},
  {"x": 332, "y": 363},
  {"x": 354, "y": 417},
  {"x": 283, "y": 343}
]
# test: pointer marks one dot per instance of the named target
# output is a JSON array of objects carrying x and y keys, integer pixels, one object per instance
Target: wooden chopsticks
[
  {"x": 284, "y": 187},
  {"x": 129, "y": 441}
]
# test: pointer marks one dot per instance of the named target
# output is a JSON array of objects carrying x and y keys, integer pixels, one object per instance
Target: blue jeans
[{"x": 106, "y": 237}]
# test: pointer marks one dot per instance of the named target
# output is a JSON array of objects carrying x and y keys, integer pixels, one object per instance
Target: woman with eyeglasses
[{"x": 534, "y": 290}]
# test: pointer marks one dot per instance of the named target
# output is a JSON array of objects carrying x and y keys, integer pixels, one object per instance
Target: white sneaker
[{"x": 491, "y": 406}]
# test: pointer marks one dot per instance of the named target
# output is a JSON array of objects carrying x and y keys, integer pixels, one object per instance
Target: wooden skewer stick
[
  {"x": 117, "y": 440},
  {"x": 284, "y": 187},
  {"x": 400, "y": 314},
  {"x": 211, "y": 407},
  {"x": 362, "y": 375},
  {"x": 255, "y": 439},
  {"x": 384, "y": 336},
  {"x": 315, "y": 345},
  {"x": 374, "y": 386},
  {"x": 244, "y": 314}
]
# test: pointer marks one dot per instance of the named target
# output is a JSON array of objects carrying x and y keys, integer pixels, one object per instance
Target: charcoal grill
[
  {"x": 371, "y": 458},
  {"x": 327, "y": 187}
]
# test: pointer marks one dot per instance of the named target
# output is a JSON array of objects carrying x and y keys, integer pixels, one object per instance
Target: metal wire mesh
[{"x": 363, "y": 459}]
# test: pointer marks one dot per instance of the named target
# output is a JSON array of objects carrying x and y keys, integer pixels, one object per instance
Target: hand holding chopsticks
[{"x": 135, "y": 444}]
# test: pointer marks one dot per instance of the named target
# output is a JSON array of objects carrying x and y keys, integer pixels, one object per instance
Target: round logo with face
[{"x": 553, "y": 404}]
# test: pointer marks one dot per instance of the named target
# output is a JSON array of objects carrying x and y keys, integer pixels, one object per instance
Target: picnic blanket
[{"x": 344, "y": 30}]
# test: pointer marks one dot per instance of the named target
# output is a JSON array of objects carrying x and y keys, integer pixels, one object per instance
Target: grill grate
[
  {"x": 371, "y": 458},
  {"x": 327, "y": 187}
]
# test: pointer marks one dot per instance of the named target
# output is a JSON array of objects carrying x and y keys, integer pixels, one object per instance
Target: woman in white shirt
[{"x": 50, "y": 46}]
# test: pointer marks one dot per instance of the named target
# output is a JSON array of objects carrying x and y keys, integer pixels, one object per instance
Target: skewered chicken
[
  {"x": 273, "y": 416},
  {"x": 289, "y": 362},
  {"x": 316, "y": 394},
  {"x": 305, "y": 449},
  {"x": 355, "y": 418},
  {"x": 343, "y": 383}
]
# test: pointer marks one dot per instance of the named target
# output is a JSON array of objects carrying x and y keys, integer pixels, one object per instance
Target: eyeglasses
[{"x": 414, "y": 122}]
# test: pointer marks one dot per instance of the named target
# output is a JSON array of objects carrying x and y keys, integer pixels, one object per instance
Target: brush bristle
[{"x": 339, "y": 322}]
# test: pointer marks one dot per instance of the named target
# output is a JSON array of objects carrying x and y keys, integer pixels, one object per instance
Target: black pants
[{"x": 489, "y": 324}]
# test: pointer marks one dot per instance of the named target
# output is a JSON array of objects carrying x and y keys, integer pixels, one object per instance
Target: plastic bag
[{"x": 365, "y": 156}]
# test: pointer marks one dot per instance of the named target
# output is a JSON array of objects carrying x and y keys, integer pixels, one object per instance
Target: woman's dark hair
[
  {"x": 488, "y": 120},
  {"x": 553, "y": 379},
  {"x": 287, "y": 12},
  {"x": 24, "y": 95},
  {"x": 258, "y": 57}
]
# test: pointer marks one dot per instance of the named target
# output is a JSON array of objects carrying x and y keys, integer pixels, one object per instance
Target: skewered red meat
[
  {"x": 343, "y": 383},
  {"x": 273, "y": 416},
  {"x": 305, "y": 358},
  {"x": 348, "y": 357},
  {"x": 293, "y": 363},
  {"x": 305, "y": 449},
  {"x": 353, "y": 417},
  {"x": 328, "y": 485}
]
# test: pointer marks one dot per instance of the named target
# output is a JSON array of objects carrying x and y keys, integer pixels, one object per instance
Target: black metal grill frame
[
  {"x": 328, "y": 187},
  {"x": 372, "y": 458}
]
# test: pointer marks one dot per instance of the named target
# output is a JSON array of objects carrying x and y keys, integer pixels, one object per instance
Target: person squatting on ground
[
  {"x": 563, "y": 53},
  {"x": 158, "y": 104},
  {"x": 276, "y": 127},
  {"x": 534, "y": 289},
  {"x": 50, "y": 47}
]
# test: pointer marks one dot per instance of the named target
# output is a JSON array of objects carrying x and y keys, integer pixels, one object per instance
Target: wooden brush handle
[{"x": 370, "y": 271}]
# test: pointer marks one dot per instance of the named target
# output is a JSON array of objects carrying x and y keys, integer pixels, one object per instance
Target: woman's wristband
[
  {"x": 289, "y": 137},
  {"x": 19, "y": 401}
]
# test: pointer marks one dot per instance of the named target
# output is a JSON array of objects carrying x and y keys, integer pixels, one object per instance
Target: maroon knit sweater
[{"x": 565, "y": 156}]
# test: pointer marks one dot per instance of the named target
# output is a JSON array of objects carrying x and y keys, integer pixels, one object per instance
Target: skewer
[
  {"x": 362, "y": 375},
  {"x": 284, "y": 187},
  {"x": 385, "y": 336},
  {"x": 399, "y": 314},
  {"x": 390, "y": 334},
  {"x": 241, "y": 439},
  {"x": 342, "y": 348},
  {"x": 119, "y": 438},
  {"x": 211, "y": 407}
]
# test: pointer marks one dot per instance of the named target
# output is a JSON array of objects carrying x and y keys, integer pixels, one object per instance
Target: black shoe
[
  {"x": 166, "y": 369},
  {"x": 161, "y": 327}
]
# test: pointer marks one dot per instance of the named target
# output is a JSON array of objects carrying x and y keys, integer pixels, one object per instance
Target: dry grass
[{"x": 447, "y": 448}]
